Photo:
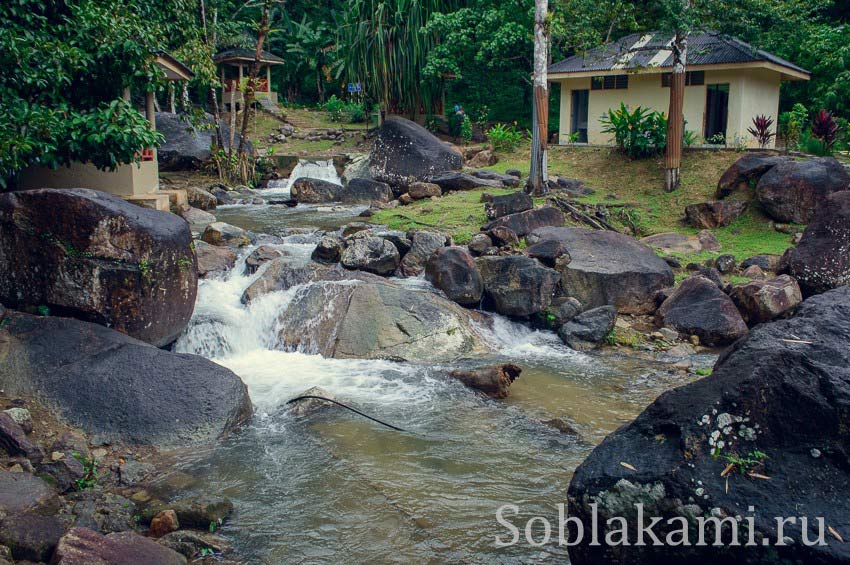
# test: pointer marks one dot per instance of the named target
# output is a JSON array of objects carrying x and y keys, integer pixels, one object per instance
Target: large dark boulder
[
  {"x": 452, "y": 270},
  {"x": 821, "y": 261},
  {"x": 462, "y": 181},
  {"x": 791, "y": 191},
  {"x": 94, "y": 256},
  {"x": 516, "y": 285},
  {"x": 606, "y": 267},
  {"x": 776, "y": 405},
  {"x": 366, "y": 191},
  {"x": 698, "y": 307},
  {"x": 523, "y": 223},
  {"x": 709, "y": 215},
  {"x": 423, "y": 245},
  {"x": 187, "y": 146},
  {"x": 588, "y": 329},
  {"x": 513, "y": 203},
  {"x": 746, "y": 172},
  {"x": 117, "y": 387},
  {"x": 315, "y": 191},
  {"x": 404, "y": 152},
  {"x": 378, "y": 320}
]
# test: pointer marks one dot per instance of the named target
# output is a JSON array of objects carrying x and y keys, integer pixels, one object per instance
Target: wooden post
[
  {"x": 675, "y": 125},
  {"x": 150, "y": 111},
  {"x": 126, "y": 94},
  {"x": 269, "y": 79}
]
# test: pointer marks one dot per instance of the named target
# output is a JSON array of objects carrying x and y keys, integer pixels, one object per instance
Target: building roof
[
  {"x": 650, "y": 51},
  {"x": 240, "y": 54},
  {"x": 173, "y": 68}
]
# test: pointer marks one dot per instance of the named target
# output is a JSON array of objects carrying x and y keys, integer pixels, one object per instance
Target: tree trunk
[
  {"x": 675, "y": 116},
  {"x": 250, "y": 87},
  {"x": 540, "y": 129}
]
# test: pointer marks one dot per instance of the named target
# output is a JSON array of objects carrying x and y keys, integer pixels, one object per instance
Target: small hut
[{"x": 235, "y": 66}]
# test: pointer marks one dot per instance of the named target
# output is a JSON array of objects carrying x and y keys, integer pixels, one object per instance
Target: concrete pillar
[
  {"x": 239, "y": 87},
  {"x": 150, "y": 114},
  {"x": 269, "y": 78},
  {"x": 126, "y": 94}
]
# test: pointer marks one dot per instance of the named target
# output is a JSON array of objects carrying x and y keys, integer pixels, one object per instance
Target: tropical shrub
[
  {"x": 640, "y": 133},
  {"x": 825, "y": 129},
  {"x": 761, "y": 130},
  {"x": 504, "y": 137},
  {"x": 792, "y": 125},
  {"x": 466, "y": 129},
  {"x": 356, "y": 112},
  {"x": 335, "y": 107}
]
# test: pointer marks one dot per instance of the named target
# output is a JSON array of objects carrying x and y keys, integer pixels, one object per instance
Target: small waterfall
[{"x": 321, "y": 170}]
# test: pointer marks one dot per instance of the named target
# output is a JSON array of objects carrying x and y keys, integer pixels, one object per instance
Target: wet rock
[
  {"x": 560, "y": 312},
  {"x": 357, "y": 168},
  {"x": 821, "y": 261},
  {"x": 502, "y": 236},
  {"x": 31, "y": 537},
  {"x": 609, "y": 268},
  {"x": 201, "y": 511},
  {"x": 164, "y": 523},
  {"x": 480, "y": 243},
  {"x": 484, "y": 158},
  {"x": 193, "y": 544},
  {"x": 452, "y": 270},
  {"x": 371, "y": 254},
  {"x": 507, "y": 180},
  {"x": 562, "y": 426},
  {"x": 22, "y": 417},
  {"x": 329, "y": 250},
  {"x": 494, "y": 381},
  {"x": 709, "y": 215},
  {"x": 524, "y": 223},
  {"x": 550, "y": 252},
  {"x": 282, "y": 274},
  {"x": 461, "y": 181},
  {"x": 102, "y": 511},
  {"x": 421, "y": 190},
  {"x": 260, "y": 256},
  {"x": 315, "y": 191},
  {"x": 366, "y": 191},
  {"x": 352, "y": 228},
  {"x": 516, "y": 285},
  {"x": 699, "y": 308},
  {"x": 200, "y": 198},
  {"x": 377, "y": 321},
  {"x": 404, "y": 152},
  {"x": 107, "y": 383},
  {"x": 514, "y": 173},
  {"x": 132, "y": 472},
  {"x": 746, "y": 172},
  {"x": 588, "y": 329},
  {"x": 188, "y": 144},
  {"x": 513, "y": 203},
  {"x": 97, "y": 257},
  {"x": 213, "y": 259},
  {"x": 791, "y": 191},
  {"x": 423, "y": 245},
  {"x": 81, "y": 546},
  {"x": 766, "y": 394},
  {"x": 22, "y": 493},
  {"x": 223, "y": 234},
  {"x": 397, "y": 238},
  {"x": 307, "y": 406},
  {"x": 725, "y": 264},
  {"x": 13, "y": 439},
  {"x": 762, "y": 301},
  {"x": 764, "y": 262}
]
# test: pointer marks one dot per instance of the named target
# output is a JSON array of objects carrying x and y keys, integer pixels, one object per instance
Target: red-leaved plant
[
  {"x": 761, "y": 130},
  {"x": 825, "y": 128}
]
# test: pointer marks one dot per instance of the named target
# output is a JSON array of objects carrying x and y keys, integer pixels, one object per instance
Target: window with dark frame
[
  {"x": 609, "y": 82},
  {"x": 692, "y": 78}
]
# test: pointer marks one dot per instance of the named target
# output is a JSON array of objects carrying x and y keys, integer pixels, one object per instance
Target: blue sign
[{"x": 355, "y": 87}]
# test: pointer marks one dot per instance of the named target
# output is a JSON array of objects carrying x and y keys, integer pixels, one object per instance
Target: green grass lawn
[{"x": 616, "y": 179}]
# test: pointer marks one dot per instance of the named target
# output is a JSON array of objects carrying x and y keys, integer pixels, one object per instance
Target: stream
[{"x": 336, "y": 487}]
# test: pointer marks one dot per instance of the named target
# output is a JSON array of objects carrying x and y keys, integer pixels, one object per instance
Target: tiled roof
[
  {"x": 642, "y": 50},
  {"x": 239, "y": 53}
]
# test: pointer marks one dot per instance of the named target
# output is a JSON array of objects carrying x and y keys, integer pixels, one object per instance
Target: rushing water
[{"x": 335, "y": 487}]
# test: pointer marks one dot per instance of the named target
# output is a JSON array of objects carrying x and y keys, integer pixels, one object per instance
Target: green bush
[
  {"x": 356, "y": 112},
  {"x": 335, "y": 107},
  {"x": 466, "y": 129},
  {"x": 639, "y": 134},
  {"x": 504, "y": 137},
  {"x": 792, "y": 125}
]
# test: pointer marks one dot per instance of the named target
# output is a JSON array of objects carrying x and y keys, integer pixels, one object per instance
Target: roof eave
[{"x": 787, "y": 74}]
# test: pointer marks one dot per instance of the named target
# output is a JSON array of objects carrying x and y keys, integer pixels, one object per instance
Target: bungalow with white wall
[{"x": 728, "y": 82}]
